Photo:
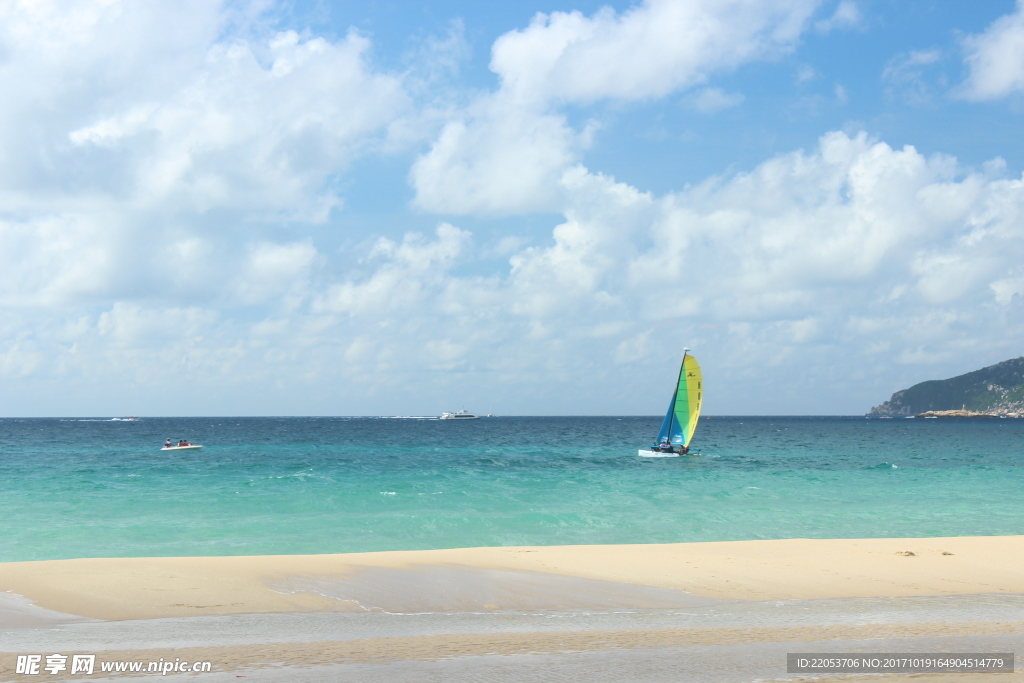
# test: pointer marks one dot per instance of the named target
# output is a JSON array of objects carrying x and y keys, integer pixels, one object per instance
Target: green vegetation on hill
[{"x": 998, "y": 388}]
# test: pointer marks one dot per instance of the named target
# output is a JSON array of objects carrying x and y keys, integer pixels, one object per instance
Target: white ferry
[{"x": 461, "y": 415}]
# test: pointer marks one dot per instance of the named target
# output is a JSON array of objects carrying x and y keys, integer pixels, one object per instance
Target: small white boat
[
  {"x": 461, "y": 415},
  {"x": 190, "y": 447}
]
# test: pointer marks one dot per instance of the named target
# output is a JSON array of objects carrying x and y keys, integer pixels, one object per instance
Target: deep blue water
[{"x": 101, "y": 488}]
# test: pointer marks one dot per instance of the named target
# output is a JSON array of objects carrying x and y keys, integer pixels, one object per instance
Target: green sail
[{"x": 684, "y": 408}]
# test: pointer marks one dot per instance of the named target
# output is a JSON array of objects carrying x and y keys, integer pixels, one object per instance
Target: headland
[{"x": 996, "y": 390}]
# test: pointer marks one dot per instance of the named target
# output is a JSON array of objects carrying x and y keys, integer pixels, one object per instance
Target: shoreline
[
  {"x": 529, "y": 577},
  {"x": 717, "y": 612}
]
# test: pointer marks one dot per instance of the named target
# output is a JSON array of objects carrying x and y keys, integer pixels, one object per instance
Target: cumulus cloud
[
  {"x": 49, "y": 259},
  {"x": 253, "y": 133},
  {"x": 411, "y": 271},
  {"x": 711, "y": 100},
  {"x": 126, "y": 127},
  {"x": 18, "y": 361},
  {"x": 854, "y": 249},
  {"x": 647, "y": 51},
  {"x": 905, "y": 74},
  {"x": 275, "y": 271},
  {"x": 135, "y": 327},
  {"x": 995, "y": 58},
  {"x": 496, "y": 159},
  {"x": 805, "y": 74},
  {"x": 856, "y": 214},
  {"x": 506, "y": 152},
  {"x": 846, "y": 15},
  {"x": 157, "y": 232}
]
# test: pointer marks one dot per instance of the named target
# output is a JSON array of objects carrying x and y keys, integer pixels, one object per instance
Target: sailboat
[{"x": 683, "y": 413}]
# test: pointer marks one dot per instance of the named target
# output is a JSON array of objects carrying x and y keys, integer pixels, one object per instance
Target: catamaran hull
[
  {"x": 182, "y": 448},
  {"x": 656, "y": 454}
]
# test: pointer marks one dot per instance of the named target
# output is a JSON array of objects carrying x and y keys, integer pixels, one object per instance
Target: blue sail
[
  {"x": 683, "y": 411},
  {"x": 671, "y": 429}
]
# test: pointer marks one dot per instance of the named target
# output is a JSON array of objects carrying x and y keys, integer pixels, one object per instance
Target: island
[{"x": 994, "y": 391}]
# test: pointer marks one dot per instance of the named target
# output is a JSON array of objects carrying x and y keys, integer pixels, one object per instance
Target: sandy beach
[{"x": 626, "y": 612}]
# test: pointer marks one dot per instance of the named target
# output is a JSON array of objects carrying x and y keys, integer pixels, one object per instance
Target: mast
[{"x": 672, "y": 413}]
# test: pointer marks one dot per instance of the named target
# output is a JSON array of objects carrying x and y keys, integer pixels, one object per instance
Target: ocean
[{"x": 95, "y": 487}]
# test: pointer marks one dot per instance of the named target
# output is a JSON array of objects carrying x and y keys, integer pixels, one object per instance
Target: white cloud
[
  {"x": 846, "y": 15},
  {"x": 647, "y": 51},
  {"x": 498, "y": 159},
  {"x": 1008, "y": 288},
  {"x": 272, "y": 270},
  {"x": 995, "y": 58},
  {"x": 412, "y": 271},
  {"x": 166, "y": 175},
  {"x": 17, "y": 361},
  {"x": 437, "y": 59},
  {"x": 68, "y": 65},
  {"x": 504, "y": 155},
  {"x": 150, "y": 124},
  {"x": 805, "y": 73},
  {"x": 583, "y": 266},
  {"x": 132, "y": 326},
  {"x": 711, "y": 100},
  {"x": 51, "y": 259},
  {"x": 852, "y": 250},
  {"x": 902, "y": 63},
  {"x": 807, "y": 257},
  {"x": 905, "y": 74},
  {"x": 252, "y": 134}
]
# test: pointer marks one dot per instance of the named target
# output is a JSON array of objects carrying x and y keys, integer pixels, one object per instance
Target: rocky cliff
[{"x": 997, "y": 390}]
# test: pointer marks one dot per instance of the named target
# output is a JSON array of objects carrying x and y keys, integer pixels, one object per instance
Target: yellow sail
[
  {"x": 689, "y": 398},
  {"x": 684, "y": 408}
]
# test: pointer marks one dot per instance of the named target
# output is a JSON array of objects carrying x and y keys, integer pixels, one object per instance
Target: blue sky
[{"x": 317, "y": 208}]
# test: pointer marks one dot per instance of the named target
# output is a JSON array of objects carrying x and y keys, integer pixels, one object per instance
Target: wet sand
[{"x": 701, "y": 611}]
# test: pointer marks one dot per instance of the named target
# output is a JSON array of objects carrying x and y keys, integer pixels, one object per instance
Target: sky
[{"x": 399, "y": 208}]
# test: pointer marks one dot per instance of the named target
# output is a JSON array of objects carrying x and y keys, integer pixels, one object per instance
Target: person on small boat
[
  {"x": 666, "y": 447},
  {"x": 167, "y": 442}
]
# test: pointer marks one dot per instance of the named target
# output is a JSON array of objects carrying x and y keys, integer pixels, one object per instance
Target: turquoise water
[{"x": 101, "y": 488}]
